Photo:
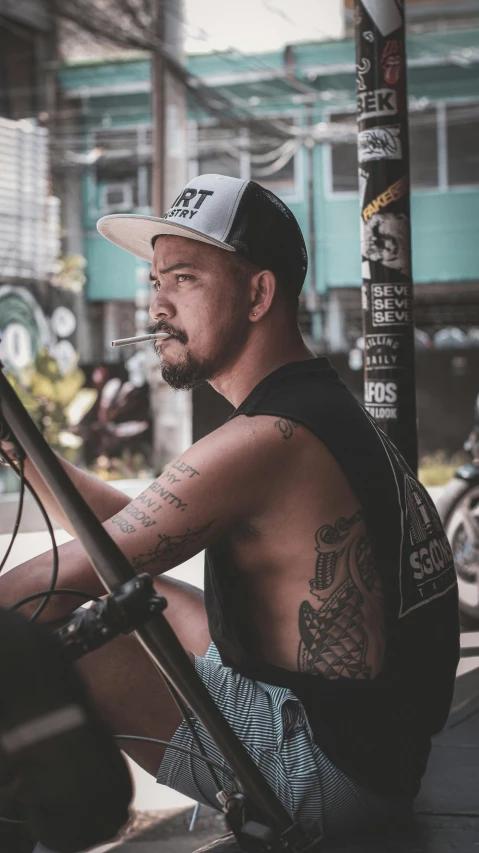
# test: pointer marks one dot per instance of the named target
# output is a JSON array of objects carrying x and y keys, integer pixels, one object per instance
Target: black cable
[
  {"x": 183, "y": 711},
  {"x": 50, "y": 592},
  {"x": 19, "y": 510},
  {"x": 54, "y": 575},
  {"x": 205, "y": 758},
  {"x": 211, "y": 762}
]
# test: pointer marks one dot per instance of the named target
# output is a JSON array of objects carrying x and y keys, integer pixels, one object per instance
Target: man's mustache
[{"x": 170, "y": 330}]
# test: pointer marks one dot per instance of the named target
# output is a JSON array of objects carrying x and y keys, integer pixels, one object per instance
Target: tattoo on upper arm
[
  {"x": 167, "y": 496},
  {"x": 170, "y": 477},
  {"x": 333, "y": 640},
  {"x": 123, "y": 524},
  {"x": 170, "y": 549},
  {"x": 286, "y": 427},
  {"x": 139, "y": 515},
  {"x": 164, "y": 494},
  {"x": 183, "y": 468}
]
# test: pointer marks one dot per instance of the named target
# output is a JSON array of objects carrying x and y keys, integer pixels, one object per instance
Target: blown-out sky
[{"x": 259, "y": 25}]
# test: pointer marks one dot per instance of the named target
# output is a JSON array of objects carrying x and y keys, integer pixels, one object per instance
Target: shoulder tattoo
[{"x": 286, "y": 427}]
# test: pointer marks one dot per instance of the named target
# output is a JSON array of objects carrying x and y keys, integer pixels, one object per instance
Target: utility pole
[
  {"x": 171, "y": 411},
  {"x": 384, "y": 189},
  {"x": 158, "y": 91}
]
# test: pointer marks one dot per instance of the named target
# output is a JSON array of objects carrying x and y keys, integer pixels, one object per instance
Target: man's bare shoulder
[
  {"x": 247, "y": 443},
  {"x": 217, "y": 484}
]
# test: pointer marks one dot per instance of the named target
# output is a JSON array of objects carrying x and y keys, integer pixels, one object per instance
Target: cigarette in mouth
[{"x": 123, "y": 342}]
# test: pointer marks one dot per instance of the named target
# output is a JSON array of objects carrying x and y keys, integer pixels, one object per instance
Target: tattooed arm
[{"x": 216, "y": 484}]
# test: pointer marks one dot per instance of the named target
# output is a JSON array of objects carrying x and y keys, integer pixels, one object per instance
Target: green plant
[{"x": 46, "y": 394}]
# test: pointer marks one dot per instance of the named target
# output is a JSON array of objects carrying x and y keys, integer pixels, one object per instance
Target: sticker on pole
[
  {"x": 391, "y": 304},
  {"x": 391, "y": 61},
  {"x": 362, "y": 68},
  {"x": 377, "y": 103},
  {"x": 380, "y": 143},
  {"x": 385, "y": 14},
  {"x": 393, "y": 193},
  {"x": 384, "y": 351},
  {"x": 385, "y": 238},
  {"x": 380, "y": 400}
]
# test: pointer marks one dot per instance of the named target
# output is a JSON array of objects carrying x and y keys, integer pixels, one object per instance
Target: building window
[
  {"x": 463, "y": 143},
  {"x": 117, "y": 184},
  {"x": 344, "y": 158},
  {"x": 118, "y": 143},
  {"x": 280, "y": 181},
  {"x": 423, "y": 156},
  {"x": 272, "y": 160},
  {"x": 247, "y": 153},
  {"x": 218, "y": 152},
  {"x": 423, "y": 148},
  {"x": 116, "y": 197},
  {"x": 120, "y": 171}
]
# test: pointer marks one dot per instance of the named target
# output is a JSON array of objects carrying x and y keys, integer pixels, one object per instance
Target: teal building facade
[{"x": 296, "y": 137}]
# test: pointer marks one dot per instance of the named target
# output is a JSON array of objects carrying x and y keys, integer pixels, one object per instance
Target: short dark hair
[{"x": 245, "y": 270}]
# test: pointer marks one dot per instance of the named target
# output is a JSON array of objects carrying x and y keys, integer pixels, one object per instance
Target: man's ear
[{"x": 263, "y": 289}]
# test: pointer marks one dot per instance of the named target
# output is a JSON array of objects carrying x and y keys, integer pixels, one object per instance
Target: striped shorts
[{"x": 272, "y": 724}]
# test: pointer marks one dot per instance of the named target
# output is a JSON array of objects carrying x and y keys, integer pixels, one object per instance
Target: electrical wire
[
  {"x": 51, "y": 591},
  {"x": 205, "y": 758},
  {"x": 57, "y": 591},
  {"x": 194, "y": 734},
  {"x": 54, "y": 575},
  {"x": 19, "y": 511},
  {"x": 210, "y": 762}
]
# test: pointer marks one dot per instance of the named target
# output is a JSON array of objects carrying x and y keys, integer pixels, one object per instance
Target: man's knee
[{"x": 186, "y": 613}]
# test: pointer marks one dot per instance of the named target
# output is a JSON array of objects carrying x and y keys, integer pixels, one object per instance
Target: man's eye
[
  {"x": 183, "y": 277},
  {"x": 155, "y": 286}
]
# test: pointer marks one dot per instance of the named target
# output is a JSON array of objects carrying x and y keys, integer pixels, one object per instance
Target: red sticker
[{"x": 391, "y": 61}]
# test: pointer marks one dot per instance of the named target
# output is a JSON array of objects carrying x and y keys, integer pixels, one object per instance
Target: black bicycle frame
[{"x": 157, "y": 637}]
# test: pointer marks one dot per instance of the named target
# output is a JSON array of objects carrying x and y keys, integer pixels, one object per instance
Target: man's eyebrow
[{"x": 177, "y": 266}]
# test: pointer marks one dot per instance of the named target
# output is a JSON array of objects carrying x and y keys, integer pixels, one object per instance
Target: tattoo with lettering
[
  {"x": 183, "y": 468},
  {"x": 123, "y": 524},
  {"x": 286, "y": 427},
  {"x": 167, "y": 496},
  {"x": 149, "y": 502},
  {"x": 333, "y": 640},
  {"x": 170, "y": 549},
  {"x": 139, "y": 515},
  {"x": 168, "y": 475}
]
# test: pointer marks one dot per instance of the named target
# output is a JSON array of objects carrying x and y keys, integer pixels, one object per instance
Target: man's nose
[{"x": 161, "y": 307}]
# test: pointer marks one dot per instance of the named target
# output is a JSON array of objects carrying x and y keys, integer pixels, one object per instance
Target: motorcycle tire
[{"x": 449, "y": 506}]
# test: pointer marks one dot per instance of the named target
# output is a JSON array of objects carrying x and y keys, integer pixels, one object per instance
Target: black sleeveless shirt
[{"x": 377, "y": 731}]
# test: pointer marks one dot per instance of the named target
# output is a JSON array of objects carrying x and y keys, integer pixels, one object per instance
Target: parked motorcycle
[{"x": 458, "y": 507}]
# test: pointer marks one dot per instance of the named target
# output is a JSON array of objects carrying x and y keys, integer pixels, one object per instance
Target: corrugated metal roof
[{"x": 29, "y": 216}]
